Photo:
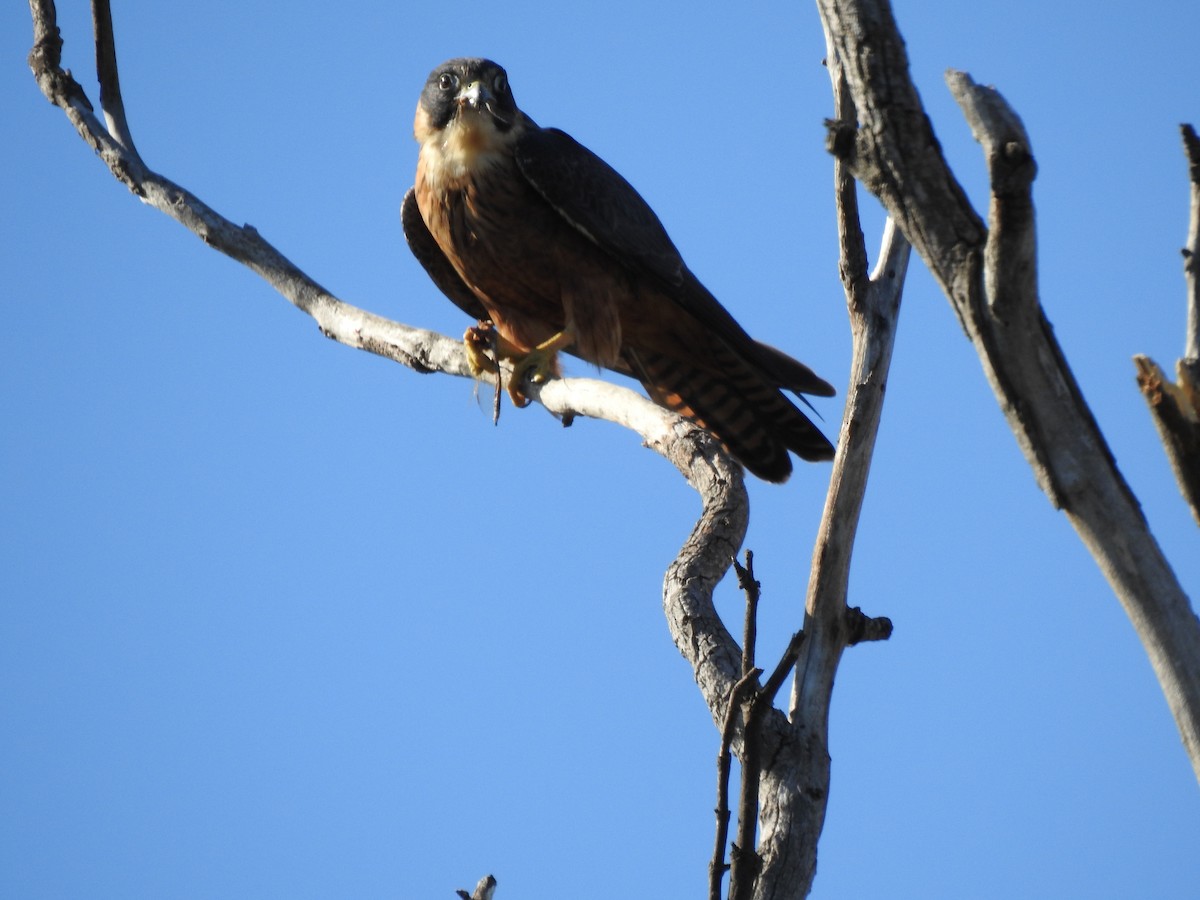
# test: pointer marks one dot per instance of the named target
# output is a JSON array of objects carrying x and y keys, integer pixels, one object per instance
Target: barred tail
[{"x": 738, "y": 404}]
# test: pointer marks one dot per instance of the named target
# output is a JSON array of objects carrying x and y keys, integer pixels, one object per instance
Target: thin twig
[
  {"x": 782, "y": 669},
  {"x": 106, "y": 73},
  {"x": 745, "y": 861},
  {"x": 752, "y": 589},
  {"x": 1191, "y": 254},
  {"x": 717, "y": 867},
  {"x": 1175, "y": 411}
]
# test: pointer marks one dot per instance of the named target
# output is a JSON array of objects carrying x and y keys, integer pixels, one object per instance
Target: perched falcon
[{"x": 527, "y": 230}]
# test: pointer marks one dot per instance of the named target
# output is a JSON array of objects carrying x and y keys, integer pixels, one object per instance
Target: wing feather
[
  {"x": 594, "y": 198},
  {"x": 441, "y": 271}
]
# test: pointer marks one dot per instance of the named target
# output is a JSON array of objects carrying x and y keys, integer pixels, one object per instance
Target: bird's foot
[
  {"x": 485, "y": 347},
  {"x": 480, "y": 340},
  {"x": 538, "y": 366}
]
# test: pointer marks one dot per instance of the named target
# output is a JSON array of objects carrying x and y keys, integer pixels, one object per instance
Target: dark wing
[
  {"x": 592, "y": 196},
  {"x": 595, "y": 199},
  {"x": 430, "y": 255}
]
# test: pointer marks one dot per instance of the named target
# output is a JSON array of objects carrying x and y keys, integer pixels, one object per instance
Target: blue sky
[{"x": 281, "y": 619}]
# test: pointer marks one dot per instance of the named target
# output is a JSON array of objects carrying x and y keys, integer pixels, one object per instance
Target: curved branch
[
  {"x": 421, "y": 350},
  {"x": 716, "y": 537}
]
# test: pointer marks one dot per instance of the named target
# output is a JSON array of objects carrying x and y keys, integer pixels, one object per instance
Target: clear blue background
[{"x": 280, "y": 619}]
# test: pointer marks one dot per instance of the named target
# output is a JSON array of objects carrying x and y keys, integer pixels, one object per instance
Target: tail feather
[
  {"x": 737, "y": 403},
  {"x": 791, "y": 373}
]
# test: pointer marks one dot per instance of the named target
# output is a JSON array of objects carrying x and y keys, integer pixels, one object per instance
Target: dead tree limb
[
  {"x": 484, "y": 890},
  {"x": 748, "y": 704},
  {"x": 718, "y": 867},
  {"x": 989, "y": 274},
  {"x": 795, "y": 786},
  {"x": 717, "y": 535},
  {"x": 794, "y": 782},
  {"x": 1191, "y": 255},
  {"x": 1175, "y": 406},
  {"x": 420, "y": 350}
]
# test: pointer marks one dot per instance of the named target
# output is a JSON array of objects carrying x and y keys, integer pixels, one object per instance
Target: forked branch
[
  {"x": 990, "y": 276},
  {"x": 1175, "y": 406},
  {"x": 795, "y": 781},
  {"x": 748, "y": 704},
  {"x": 703, "y": 560}
]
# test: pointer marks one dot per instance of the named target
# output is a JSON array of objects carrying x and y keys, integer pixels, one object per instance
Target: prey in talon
[{"x": 538, "y": 365}]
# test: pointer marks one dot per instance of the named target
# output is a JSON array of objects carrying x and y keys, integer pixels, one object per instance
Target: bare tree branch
[
  {"x": 1175, "y": 409},
  {"x": 753, "y": 591},
  {"x": 688, "y": 447},
  {"x": 1191, "y": 255},
  {"x": 704, "y": 558},
  {"x": 753, "y": 703},
  {"x": 483, "y": 890},
  {"x": 794, "y": 783},
  {"x": 989, "y": 275},
  {"x": 794, "y": 788},
  {"x": 420, "y": 350},
  {"x": 1176, "y": 406},
  {"x": 718, "y": 867},
  {"x": 106, "y": 71},
  {"x": 747, "y": 860}
]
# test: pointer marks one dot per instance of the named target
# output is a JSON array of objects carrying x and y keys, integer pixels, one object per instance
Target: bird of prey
[{"x": 542, "y": 241}]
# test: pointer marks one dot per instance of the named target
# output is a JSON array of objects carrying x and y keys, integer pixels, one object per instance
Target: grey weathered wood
[
  {"x": 1175, "y": 405},
  {"x": 794, "y": 784},
  {"x": 989, "y": 273}
]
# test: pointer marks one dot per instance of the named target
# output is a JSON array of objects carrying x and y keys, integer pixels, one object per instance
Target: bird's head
[{"x": 467, "y": 103}]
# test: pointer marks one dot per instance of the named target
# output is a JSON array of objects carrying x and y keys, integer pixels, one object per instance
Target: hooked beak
[
  {"x": 478, "y": 97},
  {"x": 474, "y": 95}
]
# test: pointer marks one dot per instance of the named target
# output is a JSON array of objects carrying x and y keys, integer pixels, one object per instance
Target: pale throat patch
[{"x": 469, "y": 143}]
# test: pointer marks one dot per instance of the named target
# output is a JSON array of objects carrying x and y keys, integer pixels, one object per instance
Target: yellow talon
[
  {"x": 478, "y": 340},
  {"x": 539, "y": 365}
]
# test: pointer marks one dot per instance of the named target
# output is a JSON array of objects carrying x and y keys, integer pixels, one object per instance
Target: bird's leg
[
  {"x": 482, "y": 338},
  {"x": 538, "y": 365}
]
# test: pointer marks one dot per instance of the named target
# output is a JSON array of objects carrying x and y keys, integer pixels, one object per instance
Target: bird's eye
[
  {"x": 448, "y": 81},
  {"x": 500, "y": 84}
]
